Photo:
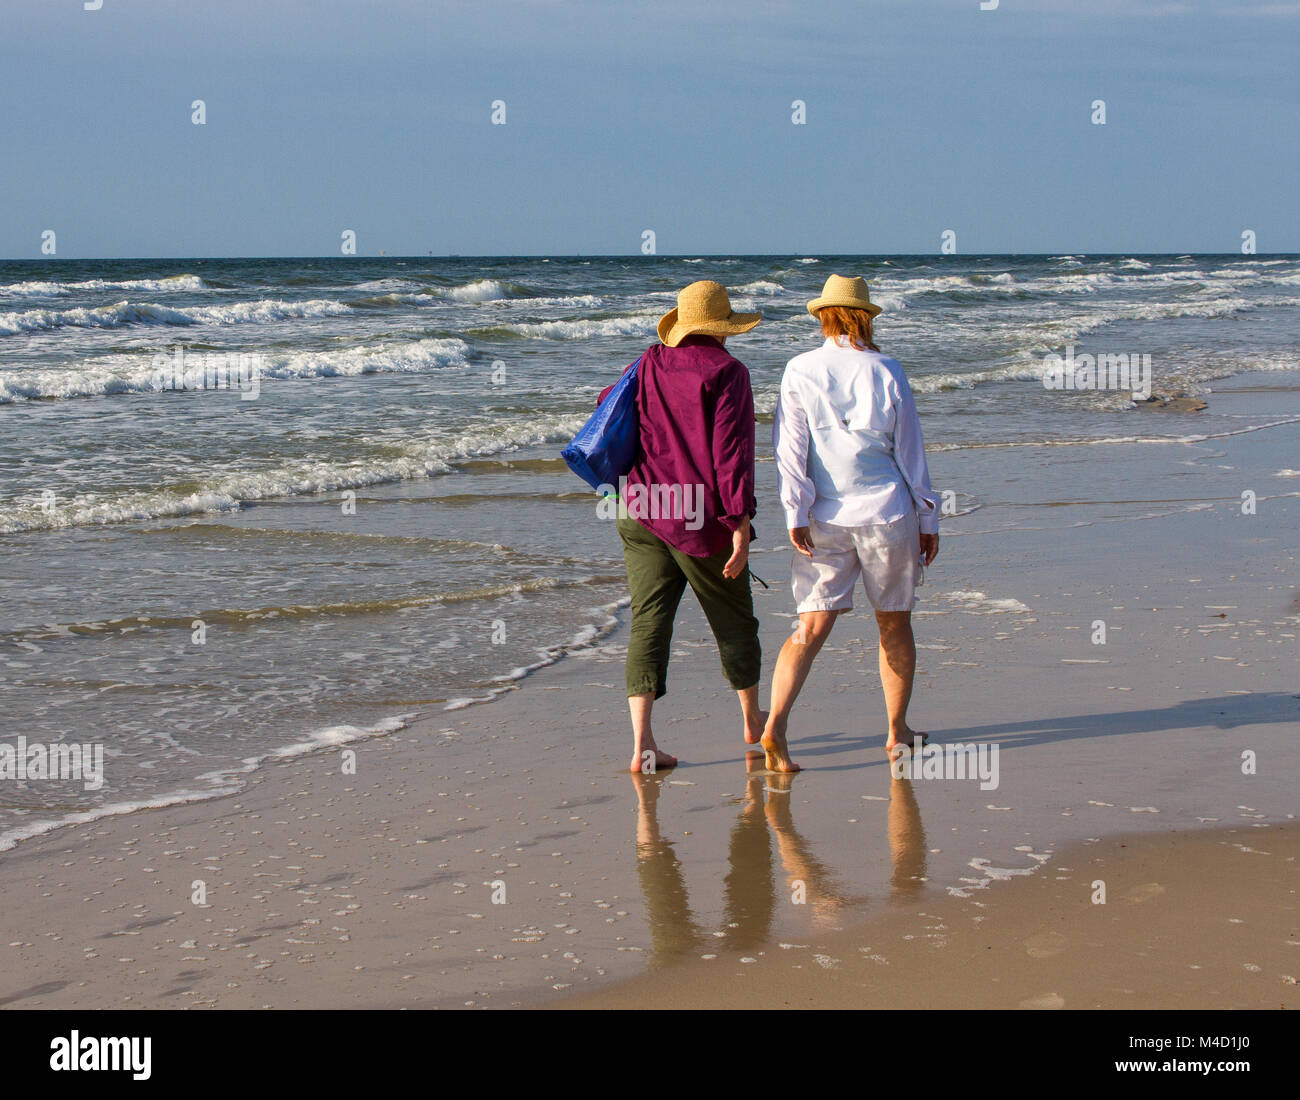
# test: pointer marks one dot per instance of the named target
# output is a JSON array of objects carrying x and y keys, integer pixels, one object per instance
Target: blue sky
[{"x": 922, "y": 115}]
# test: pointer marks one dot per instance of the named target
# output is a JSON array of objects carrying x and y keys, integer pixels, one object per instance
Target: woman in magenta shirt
[{"x": 685, "y": 508}]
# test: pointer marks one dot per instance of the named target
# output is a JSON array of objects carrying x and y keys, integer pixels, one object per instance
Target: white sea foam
[
  {"x": 979, "y": 604},
  {"x": 1081, "y": 282},
  {"x": 387, "y": 285},
  {"x": 568, "y": 301},
  {"x": 226, "y": 492},
  {"x": 584, "y": 638},
  {"x": 428, "y": 297},
  {"x": 935, "y": 383},
  {"x": 399, "y": 298},
  {"x": 1040, "y": 338},
  {"x": 1114, "y": 440},
  {"x": 34, "y": 289},
  {"x": 947, "y": 284},
  {"x": 889, "y": 303},
  {"x": 39, "y": 289},
  {"x": 118, "y": 374},
  {"x": 219, "y": 783},
  {"x": 267, "y": 310},
  {"x": 1049, "y": 335},
  {"x": 124, "y": 313},
  {"x": 480, "y": 290},
  {"x": 414, "y": 357},
  {"x": 990, "y": 874},
  {"x": 637, "y": 325},
  {"x": 114, "y": 316}
]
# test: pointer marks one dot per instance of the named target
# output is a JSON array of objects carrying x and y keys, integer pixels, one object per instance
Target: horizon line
[{"x": 632, "y": 256}]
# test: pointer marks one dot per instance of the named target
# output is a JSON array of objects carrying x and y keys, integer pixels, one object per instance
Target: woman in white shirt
[{"x": 856, "y": 493}]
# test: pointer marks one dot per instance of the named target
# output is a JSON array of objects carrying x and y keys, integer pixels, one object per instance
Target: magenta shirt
[{"x": 697, "y": 429}]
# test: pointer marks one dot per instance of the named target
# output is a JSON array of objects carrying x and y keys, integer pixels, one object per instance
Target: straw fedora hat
[
  {"x": 843, "y": 291},
  {"x": 703, "y": 307}
]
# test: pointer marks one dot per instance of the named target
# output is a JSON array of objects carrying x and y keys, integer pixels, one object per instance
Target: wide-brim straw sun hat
[
  {"x": 840, "y": 290},
  {"x": 704, "y": 308}
]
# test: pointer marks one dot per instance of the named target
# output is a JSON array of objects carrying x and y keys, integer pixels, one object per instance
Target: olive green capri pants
[{"x": 657, "y": 575}]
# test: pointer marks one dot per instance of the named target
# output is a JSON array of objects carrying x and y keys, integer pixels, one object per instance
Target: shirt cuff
[
  {"x": 929, "y": 521},
  {"x": 796, "y": 518}
]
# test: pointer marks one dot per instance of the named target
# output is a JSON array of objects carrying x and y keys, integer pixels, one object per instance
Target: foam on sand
[
  {"x": 977, "y": 603},
  {"x": 587, "y": 636},
  {"x": 220, "y": 784}
]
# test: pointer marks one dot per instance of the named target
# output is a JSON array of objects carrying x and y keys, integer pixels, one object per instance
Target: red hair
[{"x": 854, "y": 323}]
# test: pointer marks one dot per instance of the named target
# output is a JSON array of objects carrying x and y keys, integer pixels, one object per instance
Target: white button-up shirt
[{"x": 848, "y": 441}]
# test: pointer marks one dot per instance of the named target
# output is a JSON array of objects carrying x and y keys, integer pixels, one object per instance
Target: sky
[{"x": 676, "y": 116}]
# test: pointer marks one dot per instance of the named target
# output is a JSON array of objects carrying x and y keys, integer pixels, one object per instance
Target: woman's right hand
[
  {"x": 739, "y": 551},
  {"x": 801, "y": 540},
  {"x": 929, "y": 547}
]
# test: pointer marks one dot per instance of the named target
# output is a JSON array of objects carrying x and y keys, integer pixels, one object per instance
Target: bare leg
[
  {"x": 643, "y": 738},
  {"x": 897, "y": 668},
  {"x": 792, "y": 667},
  {"x": 755, "y": 719}
]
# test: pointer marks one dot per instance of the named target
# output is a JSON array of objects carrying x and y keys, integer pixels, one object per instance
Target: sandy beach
[
  {"x": 1190, "y": 920},
  {"x": 496, "y": 856}
]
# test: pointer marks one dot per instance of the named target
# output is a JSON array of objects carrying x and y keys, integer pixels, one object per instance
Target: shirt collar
[{"x": 699, "y": 339}]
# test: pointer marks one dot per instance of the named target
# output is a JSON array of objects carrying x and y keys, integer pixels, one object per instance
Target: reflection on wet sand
[
  {"x": 750, "y": 888},
  {"x": 906, "y": 840},
  {"x": 673, "y": 930}
]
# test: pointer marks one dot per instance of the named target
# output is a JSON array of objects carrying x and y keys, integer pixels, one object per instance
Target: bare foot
[
  {"x": 641, "y": 761},
  {"x": 754, "y": 733},
  {"x": 909, "y": 739},
  {"x": 773, "y": 742}
]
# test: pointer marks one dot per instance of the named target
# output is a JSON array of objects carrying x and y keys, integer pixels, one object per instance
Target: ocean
[{"x": 202, "y": 578}]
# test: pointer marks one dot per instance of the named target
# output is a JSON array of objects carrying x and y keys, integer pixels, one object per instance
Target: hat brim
[
  {"x": 672, "y": 332},
  {"x": 846, "y": 303}
]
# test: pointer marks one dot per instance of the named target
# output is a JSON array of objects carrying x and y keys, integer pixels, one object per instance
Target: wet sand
[
  {"x": 1182, "y": 920},
  {"x": 499, "y": 856}
]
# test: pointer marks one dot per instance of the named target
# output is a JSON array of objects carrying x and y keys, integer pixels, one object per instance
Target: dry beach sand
[{"x": 496, "y": 855}]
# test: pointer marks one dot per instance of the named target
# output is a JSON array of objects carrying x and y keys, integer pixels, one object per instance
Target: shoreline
[
  {"x": 514, "y": 678},
  {"x": 375, "y": 888}
]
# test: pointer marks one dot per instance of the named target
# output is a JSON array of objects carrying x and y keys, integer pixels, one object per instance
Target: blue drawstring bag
[{"x": 606, "y": 446}]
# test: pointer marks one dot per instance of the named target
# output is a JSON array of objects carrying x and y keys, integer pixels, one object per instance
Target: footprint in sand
[
  {"x": 1043, "y": 945},
  {"x": 1044, "y": 1000},
  {"x": 1145, "y": 892}
]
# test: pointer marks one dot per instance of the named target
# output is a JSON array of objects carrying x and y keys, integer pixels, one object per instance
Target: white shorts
[{"x": 887, "y": 555}]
